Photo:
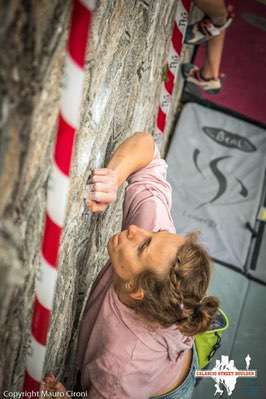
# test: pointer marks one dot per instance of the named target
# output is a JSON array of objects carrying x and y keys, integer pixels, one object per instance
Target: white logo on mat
[{"x": 225, "y": 374}]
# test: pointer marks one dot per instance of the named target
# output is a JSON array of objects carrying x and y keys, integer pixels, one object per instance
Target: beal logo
[
  {"x": 228, "y": 139},
  {"x": 225, "y": 374}
]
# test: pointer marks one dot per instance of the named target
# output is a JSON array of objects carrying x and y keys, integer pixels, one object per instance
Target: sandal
[
  {"x": 205, "y": 29},
  {"x": 191, "y": 73}
]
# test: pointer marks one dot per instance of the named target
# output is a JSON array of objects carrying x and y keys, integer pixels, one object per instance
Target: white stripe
[
  {"x": 181, "y": 17},
  {"x": 165, "y": 100},
  {"x": 173, "y": 60},
  {"x": 58, "y": 187},
  {"x": 45, "y": 284},
  {"x": 35, "y": 359},
  {"x": 158, "y": 134},
  {"x": 90, "y": 4},
  {"x": 72, "y": 92}
]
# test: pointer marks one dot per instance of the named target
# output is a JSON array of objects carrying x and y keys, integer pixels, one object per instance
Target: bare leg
[
  {"x": 217, "y": 14},
  {"x": 215, "y": 9},
  {"x": 211, "y": 66}
]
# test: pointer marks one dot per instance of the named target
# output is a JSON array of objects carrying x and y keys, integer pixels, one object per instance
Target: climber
[
  {"x": 210, "y": 29},
  {"x": 150, "y": 299}
]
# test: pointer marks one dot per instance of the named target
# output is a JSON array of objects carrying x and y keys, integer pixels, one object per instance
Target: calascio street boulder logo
[{"x": 225, "y": 374}]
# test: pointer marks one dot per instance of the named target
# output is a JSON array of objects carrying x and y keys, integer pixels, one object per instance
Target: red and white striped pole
[
  {"x": 172, "y": 65},
  {"x": 68, "y": 122}
]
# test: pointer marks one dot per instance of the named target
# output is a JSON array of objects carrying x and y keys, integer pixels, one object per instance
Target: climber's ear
[{"x": 138, "y": 295}]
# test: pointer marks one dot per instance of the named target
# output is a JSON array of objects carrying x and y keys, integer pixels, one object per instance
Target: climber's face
[{"x": 136, "y": 250}]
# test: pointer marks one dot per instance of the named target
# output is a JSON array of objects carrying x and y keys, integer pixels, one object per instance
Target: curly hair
[{"x": 179, "y": 297}]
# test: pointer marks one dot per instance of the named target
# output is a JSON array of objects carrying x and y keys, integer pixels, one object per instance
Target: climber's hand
[
  {"x": 103, "y": 185},
  {"x": 51, "y": 385}
]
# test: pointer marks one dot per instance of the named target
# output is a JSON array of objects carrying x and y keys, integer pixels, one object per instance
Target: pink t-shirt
[{"x": 117, "y": 355}]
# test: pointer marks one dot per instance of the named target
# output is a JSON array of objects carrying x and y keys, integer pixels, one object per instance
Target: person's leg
[
  {"x": 211, "y": 66},
  {"x": 207, "y": 77},
  {"x": 217, "y": 18},
  {"x": 211, "y": 29},
  {"x": 215, "y": 9}
]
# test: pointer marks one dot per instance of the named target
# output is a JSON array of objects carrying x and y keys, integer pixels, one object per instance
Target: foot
[
  {"x": 205, "y": 29},
  {"x": 192, "y": 74}
]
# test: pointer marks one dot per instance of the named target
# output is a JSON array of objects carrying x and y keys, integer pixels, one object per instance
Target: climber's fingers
[
  {"x": 60, "y": 388},
  {"x": 105, "y": 187},
  {"x": 99, "y": 178},
  {"x": 47, "y": 386},
  {"x": 104, "y": 175},
  {"x": 105, "y": 198},
  {"x": 42, "y": 387},
  {"x": 96, "y": 207},
  {"x": 102, "y": 171},
  {"x": 50, "y": 380},
  {"x": 59, "y": 391}
]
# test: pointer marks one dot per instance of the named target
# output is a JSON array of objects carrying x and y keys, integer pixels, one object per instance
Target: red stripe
[
  {"x": 51, "y": 240},
  {"x": 161, "y": 119},
  {"x": 64, "y": 145},
  {"x": 186, "y": 4},
  {"x": 169, "y": 84},
  {"x": 78, "y": 34},
  {"x": 40, "y": 322},
  {"x": 177, "y": 39},
  {"x": 30, "y": 384}
]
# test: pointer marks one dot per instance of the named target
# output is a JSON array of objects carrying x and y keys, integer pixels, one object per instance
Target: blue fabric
[{"x": 185, "y": 390}]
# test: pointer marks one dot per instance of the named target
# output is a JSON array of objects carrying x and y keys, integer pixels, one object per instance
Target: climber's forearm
[{"x": 133, "y": 154}]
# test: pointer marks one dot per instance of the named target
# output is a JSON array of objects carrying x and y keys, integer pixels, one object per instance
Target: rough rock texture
[{"x": 129, "y": 43}]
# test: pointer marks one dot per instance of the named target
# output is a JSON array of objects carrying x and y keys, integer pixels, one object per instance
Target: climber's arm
[{"x": 132, "y": 155}]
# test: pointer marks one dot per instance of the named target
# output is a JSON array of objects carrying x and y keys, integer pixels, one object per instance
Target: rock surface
[{"x": 128, "y": 47}]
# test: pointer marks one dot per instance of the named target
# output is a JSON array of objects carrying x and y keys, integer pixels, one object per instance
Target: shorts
[{"x": 185, "y": 390}]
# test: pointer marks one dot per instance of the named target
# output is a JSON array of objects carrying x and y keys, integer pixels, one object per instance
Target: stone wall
[{"x": 128, "y": 47}]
